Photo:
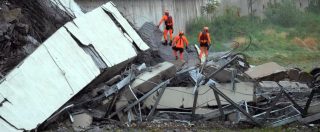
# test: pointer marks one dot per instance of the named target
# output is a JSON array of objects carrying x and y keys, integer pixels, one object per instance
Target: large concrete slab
[
  {"x": 72, "y": 58},
  {"x": 182, "y": 97},
  {"x": 265, "y": 70},
  {"x": 47, "y": 79},
  {"x": 110, "y": 7},
  {"x": 147, "y": 80},
  {"x": 5, "y": 127},
  {"x": 223, "y": 76},
  {"x": 104, "y": 35}
]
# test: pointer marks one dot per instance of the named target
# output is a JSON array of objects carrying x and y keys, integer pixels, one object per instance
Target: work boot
[
  {"x": 170, "y": 43},
  {"x": 165, "y": 42},
  {"x": 176, "y": 57}
]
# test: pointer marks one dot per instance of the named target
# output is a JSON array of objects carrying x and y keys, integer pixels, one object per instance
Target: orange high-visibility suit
[
  {"x": 168, "y": 21},
  {"x": 205, "y": 41},
  {"x": 178, "y": 45}
]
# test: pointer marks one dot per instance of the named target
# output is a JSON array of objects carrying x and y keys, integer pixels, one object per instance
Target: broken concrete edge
[
  {"x": 81, "y": 121},
  {"x": 103, "y": 77},
  {"x": 127, "y": 107},
  {"x": 310, "y": 118},
  {"x": 147, "y": 80},
  {"x": 70, "y": 7},
  {"x": 182, "y": 97},
  {"x": 125, "y": 25},
  {"x": 264, "y": 70}
]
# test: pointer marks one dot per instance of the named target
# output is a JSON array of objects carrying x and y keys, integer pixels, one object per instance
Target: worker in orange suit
[
  {"x": 204, "y": 41},
  {"x": 178, "y": 45},
  {"x": 168, "y": 21}
]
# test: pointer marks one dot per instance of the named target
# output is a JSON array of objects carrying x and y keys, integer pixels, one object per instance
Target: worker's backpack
[
  {"x": 169, "y": 21},
  {"x": 204, "y": 37}
]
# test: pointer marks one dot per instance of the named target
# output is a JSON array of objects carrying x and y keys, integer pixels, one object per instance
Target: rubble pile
[
  {"x": 224, "y": 90},
  {"x": 144, "y": 87}
]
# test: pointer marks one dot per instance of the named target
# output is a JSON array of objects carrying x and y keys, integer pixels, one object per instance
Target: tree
[
  {"x": 314, "y": 6},
  {"x": 210, "y": 8}
]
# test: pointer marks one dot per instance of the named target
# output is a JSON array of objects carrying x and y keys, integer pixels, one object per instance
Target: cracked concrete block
[
  {"x": 178, "y": 64},
  {"x": 268, "y": 72},
  {"x": 81, "y": 121},
  {"x": 305, "y": 77},
  {"x": 182, "y": 97},
  {"x": 202, "y": 111},
  {"x": 149, "y": 79},
  {"x": 294, "y": 87},
  {"x": 98, "y": 113},
  {"x": 293, "y": 74},
  {"x": 223, "y": 76},
  {"x": 314, "y": 108},
  {"x": 236, "y": 117},
  {"x": 268, "y": 87}
]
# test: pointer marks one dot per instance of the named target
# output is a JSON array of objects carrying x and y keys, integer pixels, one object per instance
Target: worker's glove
[
  {"x": 173, "y": 47},
  {"x": 158, "y": 26},
  {"x": 188, "y": 49}
]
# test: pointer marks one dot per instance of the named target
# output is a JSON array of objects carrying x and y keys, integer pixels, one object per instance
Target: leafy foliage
[
  {"x": 314, "y": 6},
  {"x": 285, "y": 13},
  {"x": 282, "y": 36},
  {"x": 210, "y": 7}
]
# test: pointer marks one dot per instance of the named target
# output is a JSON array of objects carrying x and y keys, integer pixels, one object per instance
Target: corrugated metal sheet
[
  {"x": 110, "y": 7},
  {"x": 60, "y": 68}
]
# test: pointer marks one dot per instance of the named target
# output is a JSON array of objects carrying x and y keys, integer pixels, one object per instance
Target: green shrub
[
  {"x": 285, "y": 13},
  {"x": 314, "y": 6}
]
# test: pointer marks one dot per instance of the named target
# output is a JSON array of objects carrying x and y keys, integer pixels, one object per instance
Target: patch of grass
[{"x": 275, "y": 38}]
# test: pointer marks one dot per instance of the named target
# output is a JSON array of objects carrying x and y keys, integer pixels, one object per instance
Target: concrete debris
[
  {"x": 148, "y": 79},
  {"x": 269, "y": 86},
  {"x": 268, "y": 72},
  {"x": 305, "y": 77},
  {"x": 81, "y": 122},
  {"x": 225, "y": 76},
  {"x": 97, "y": 73},
  {"x": 236, "y": 117},
  {"x": 295, "y": 87},
  {"x": 182, "y": 97},
  {"x": 293, "y": 74},
  {"x": 227, "y": 109},
  {"x": 314, "y": 108},
  {"x": 310, "y": 119}
]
